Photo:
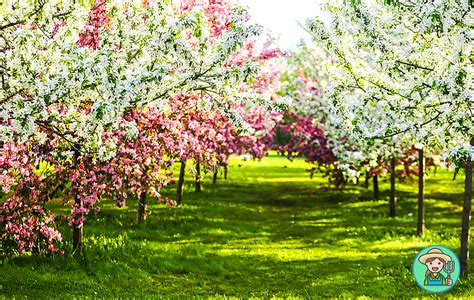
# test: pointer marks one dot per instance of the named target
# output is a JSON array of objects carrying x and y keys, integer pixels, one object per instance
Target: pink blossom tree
[{"x": 25, "y": 224}]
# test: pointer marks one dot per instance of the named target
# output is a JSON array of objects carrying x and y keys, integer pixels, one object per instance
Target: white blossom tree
[
  {"x": 147, "y": 52},
  {"x": 306, "y": 79},
  {"x": 412, "y": 61}
]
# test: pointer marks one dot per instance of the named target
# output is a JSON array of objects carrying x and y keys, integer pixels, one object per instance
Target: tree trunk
[
  {"x": 466, "y": 216},
  {"x": 367, "y": 176},
  {"x": 376, "y": 187},
  {"x": 421, "y": 193},
  {"x": 407, "y": 169},
  {"x": 214, "y": 177},
  {"x": 78, "y": 230},
  {"x": 142, "y": 207},
  {"x": 393, "y": 199},
  {"x": 225, "y": 172},
  {"x": 198, "y": 178},
  {"x": 179, "y": 188}
]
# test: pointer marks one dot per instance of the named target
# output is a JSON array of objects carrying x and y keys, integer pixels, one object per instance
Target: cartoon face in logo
[
  {"x": 436, "y": 269},
  {"x": 435, "y": 261}
]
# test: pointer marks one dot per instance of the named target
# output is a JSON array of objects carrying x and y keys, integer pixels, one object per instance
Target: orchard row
[{"x": 100, "y": 100}]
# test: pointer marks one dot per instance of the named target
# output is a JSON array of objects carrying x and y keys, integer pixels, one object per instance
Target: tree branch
[
  {"x": 409, "y": 128},
  {"x": 414, "y": 65},
  {"x": 35, "y": 12},
  {"x": 5, "y": 100}
]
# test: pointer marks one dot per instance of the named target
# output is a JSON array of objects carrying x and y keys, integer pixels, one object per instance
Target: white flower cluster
[
  {"x": 354, "y": 146},
  {"x": 460, "y": 155},
  {"x": 402, "y": 71},
  {"x": 145, "y": 55}
]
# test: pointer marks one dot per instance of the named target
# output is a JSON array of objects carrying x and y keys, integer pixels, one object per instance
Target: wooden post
[
  {"x": 421, "y": 193},
  {"x": 179, "y": 188},
  {"x": 466, "y": 216},
  {"x": 393, "y": 199}
]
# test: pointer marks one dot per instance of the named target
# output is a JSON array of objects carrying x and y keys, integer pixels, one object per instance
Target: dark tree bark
[
  {"x": 367, "y": 177},
  {"x": 393, "y": 199},
  {"x": 407, "y": 167},
  {"x": 142, "y": 197},
  {"x": 179, "y": 188},
  {"x": 214, "y": 177},
  {"x": 225, "y": 172},
  {"x": 466, "y": 216},
  {"x": 142, "y": 207},
  {"x": 198, "y": 177},
  {"x": 77, "y": 230},
  {"x": 376, "y": 187},
  {"x": 421, "y": 193}
]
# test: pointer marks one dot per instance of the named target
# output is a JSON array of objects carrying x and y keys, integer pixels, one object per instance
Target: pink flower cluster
[
  {"x": 25, "y": 225},
  {"x": 98, "y": 19},
  {"x": 217, "y": 12},
  {"x": 305, "y": 138}
]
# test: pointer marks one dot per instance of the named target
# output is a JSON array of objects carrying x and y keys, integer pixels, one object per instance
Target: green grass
[{"x": 266, "y": 231}]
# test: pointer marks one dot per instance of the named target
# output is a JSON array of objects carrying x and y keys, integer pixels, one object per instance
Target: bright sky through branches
[{"x": 281, "y": 17}]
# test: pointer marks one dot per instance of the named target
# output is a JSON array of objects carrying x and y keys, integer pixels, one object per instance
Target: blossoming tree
[
  {"x": 72, "y": 70},
  {"x": 411, "y": 60},
  {"x": 140, "y": 55}
]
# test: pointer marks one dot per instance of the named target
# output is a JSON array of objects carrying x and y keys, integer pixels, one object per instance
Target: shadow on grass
[
  {"x": 196, "y": 270},
  {"x": 266, "y": 231}
]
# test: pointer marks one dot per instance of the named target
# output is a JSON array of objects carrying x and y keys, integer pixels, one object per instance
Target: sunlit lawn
[{"x": 267, "y": 231}]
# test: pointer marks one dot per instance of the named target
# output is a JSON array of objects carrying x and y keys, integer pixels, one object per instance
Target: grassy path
[{"x": 266, "y": 231}]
